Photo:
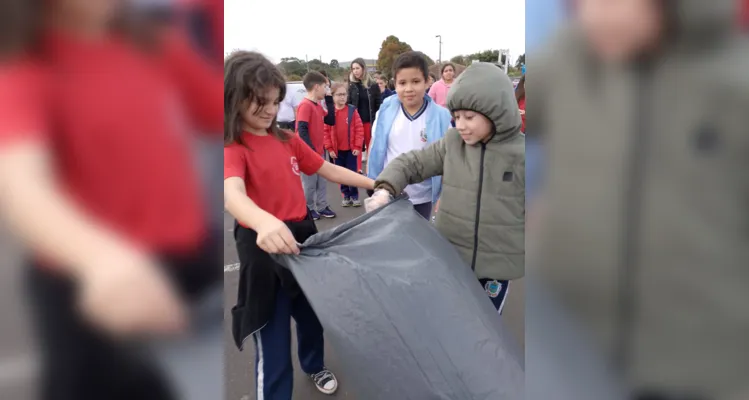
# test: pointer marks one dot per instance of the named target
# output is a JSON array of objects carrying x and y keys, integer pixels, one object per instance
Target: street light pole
[{"x": 439, "y": 61}]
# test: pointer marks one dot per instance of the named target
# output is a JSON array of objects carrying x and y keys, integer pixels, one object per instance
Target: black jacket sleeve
[
  {"x": 353, "y": 98},
  {"x": 376, "y": 99},
  {"x": 303, "y": 129},
  {"x": 330, "y": 118}
]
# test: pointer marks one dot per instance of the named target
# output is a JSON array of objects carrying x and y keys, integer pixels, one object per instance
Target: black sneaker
[
  {"x": 327, "y": 213},
  {"x": 325, "y": 381},
  {"x": 315, "y": 215},
  {"x": 346, "y": 202}
]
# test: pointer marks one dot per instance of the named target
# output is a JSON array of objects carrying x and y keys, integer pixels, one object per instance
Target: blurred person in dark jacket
[
  {"x": 643, "y": 218},
  {"x": 96, "y": 176}
]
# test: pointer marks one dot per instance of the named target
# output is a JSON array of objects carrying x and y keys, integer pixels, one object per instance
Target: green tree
[
  {"x": 521, "y": 60},
  {"x": 462, "y": 60},
  {"x": 293, "y": 66},
  {"x": 391, "y": 48},
  {"x": 485, "y": 56},
  {"x": 334, "y": 63}
]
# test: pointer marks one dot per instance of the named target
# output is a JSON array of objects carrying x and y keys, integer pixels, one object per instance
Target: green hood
[{"x": 486, "y": 89}]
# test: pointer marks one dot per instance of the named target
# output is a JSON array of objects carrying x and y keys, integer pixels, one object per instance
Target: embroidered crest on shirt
[
  {"x": 294, "y": 166},
  {"x": 423, "y": 135}
]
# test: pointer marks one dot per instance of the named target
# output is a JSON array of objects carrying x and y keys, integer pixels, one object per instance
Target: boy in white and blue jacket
[{"x": 406, "y": 122}]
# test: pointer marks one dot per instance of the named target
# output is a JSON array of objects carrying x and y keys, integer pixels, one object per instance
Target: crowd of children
[{"x": 274, "y": 183}]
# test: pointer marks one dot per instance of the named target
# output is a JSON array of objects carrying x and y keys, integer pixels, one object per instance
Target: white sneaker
[{"x": 325, "y": 381}]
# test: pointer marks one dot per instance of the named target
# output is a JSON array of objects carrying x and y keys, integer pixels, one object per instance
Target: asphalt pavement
[{"x": 239, "y": 366}]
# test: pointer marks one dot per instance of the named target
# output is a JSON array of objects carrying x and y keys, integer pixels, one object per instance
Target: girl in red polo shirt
[
  {"x": 97, "y": 177},
  {"x": 263, "y": 191}
]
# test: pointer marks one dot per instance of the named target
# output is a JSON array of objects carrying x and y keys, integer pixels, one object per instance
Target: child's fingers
[
  {"x": 289, "y": 242},
  {"x": 268, "y": 246},
  {"x": 279, "y": 245}
]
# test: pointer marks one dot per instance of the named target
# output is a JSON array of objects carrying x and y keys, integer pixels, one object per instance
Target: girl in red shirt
[
  {"x": 520, "y": 97},
  {"x": 263, "y": 191},
  {"x": 344, "y": 140},
  {"x": 98, "y": 179}
]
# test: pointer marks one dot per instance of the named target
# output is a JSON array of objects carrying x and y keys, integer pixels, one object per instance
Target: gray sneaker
[
  {"x": 346, "y": 202},
  {"x": 356, "y": 203}
]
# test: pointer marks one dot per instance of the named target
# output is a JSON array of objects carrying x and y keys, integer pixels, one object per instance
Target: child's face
[
  {"x": 259, "y": 119},
  {"x": 410, "y": 86},
  {"x": 473, "y": 127},
  {"x": 382, "y": 84},
  {"x": 339, "y": 97},
  {"x": 448, "y": 73},
  {"x": 619, "y": 29},
  {"x": 319, "y": 91}
]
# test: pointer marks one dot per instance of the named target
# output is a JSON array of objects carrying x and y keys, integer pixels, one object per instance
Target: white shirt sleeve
[
  {"x": 371, "y": 141},
  {"x": 374, "y": 126}
]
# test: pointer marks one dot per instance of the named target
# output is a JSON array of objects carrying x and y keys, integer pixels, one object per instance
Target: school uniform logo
[
  {"x": 295, "y": 166},
  {"x": 493, "y": 288},
  {"x": 423, "y": 135}
]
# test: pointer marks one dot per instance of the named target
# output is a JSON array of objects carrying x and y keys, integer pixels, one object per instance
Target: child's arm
[
  {"x": 412, "y": 167},
  {"x": 329, "y": 119},
  {"x": 344, "y": 176},
  {"x": 273, "y": 236},
  {"x": 327, "y": 142},
  {"x": 302, "y": 123},
  {"x": 358, "y": 129},
  {"x": 311, "y": 163}
]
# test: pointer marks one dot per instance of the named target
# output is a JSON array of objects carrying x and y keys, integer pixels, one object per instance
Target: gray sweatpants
[{"x": 315, "y": 191}]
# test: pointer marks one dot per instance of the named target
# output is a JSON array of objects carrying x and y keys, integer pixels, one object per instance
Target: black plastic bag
[{"x": 407, "y": 318}]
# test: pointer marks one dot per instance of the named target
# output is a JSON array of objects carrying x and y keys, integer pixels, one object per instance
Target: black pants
[
  {"x": 424, "y": 209},
  {"x": 81, "y": 363}
]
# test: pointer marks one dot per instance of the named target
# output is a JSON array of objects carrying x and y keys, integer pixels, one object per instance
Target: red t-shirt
[
  {"x": 117, "y": 134},
  {"x": 22, "y": 116},
  {"x": 744, "y": 15},
  {"x": 270, "y": 169},
  {"x": 521, "y": 105},
  {"x": 314, "y": 115}
]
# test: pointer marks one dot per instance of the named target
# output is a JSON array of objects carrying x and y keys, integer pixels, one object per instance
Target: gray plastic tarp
[{"x": 406, "y": 317}]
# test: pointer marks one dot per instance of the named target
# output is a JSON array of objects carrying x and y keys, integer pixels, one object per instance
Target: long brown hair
[
  {"x": 365, "y": 80},
  {"x": 247, "y": 77},
  {"x": 520, "y": 91}
]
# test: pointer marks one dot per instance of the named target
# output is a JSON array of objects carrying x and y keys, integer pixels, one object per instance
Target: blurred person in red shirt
[
  {"x": 96, "y": 176},
  {"x": 520, "y": 97},
  {"x": 641, "y": 231}
]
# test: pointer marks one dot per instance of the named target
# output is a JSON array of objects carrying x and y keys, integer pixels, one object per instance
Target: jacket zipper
[
  {"x": 478, "y": 209},
  {"x": 632, "y": 213}
]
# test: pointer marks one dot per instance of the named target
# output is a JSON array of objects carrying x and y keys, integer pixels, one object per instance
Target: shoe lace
[{"x": 322, "y": 377}]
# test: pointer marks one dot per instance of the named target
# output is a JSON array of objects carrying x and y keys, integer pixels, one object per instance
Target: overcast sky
[{"x": 297, "y": 28}]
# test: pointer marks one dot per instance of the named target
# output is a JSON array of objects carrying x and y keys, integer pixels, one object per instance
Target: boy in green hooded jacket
[{"x": 482, "y": 163}]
